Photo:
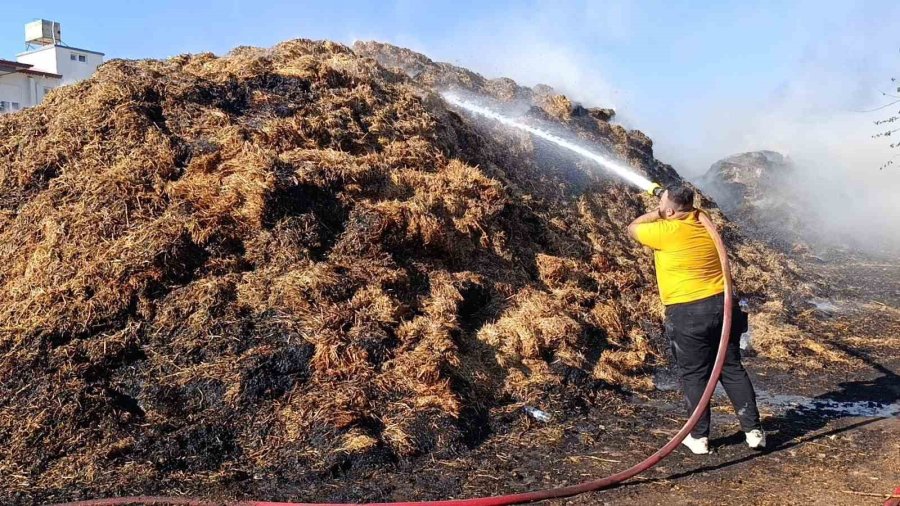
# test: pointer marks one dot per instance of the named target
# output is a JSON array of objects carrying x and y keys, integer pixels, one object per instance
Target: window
[
  {"x": 4, "y": 107},
  {"x": 72, "y": 56},
  {"x": 82, "y": 58},
  {"x": 15, "y": 106}
]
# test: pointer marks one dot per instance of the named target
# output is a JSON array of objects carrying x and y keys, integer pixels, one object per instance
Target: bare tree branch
[
  {"x": 891, "y": 119},
  {"x": 882, "y": 107}
]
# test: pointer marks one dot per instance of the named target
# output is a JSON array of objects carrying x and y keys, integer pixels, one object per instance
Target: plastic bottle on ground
[{"x": 537, "y": 414}]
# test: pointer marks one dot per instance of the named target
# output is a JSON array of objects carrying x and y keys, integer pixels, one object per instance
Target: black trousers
[{"x": 694, "y": 329}]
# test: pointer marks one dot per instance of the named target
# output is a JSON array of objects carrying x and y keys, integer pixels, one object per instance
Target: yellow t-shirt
[{"x": 687, "y": 263}]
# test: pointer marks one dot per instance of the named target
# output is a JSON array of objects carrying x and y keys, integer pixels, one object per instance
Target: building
[{"x": 46, "y": 64}]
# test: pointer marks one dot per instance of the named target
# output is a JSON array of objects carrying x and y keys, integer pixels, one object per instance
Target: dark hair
[{"x": 681, "y": 195}]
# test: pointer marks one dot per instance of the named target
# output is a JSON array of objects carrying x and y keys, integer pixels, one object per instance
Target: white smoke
[{"x": 836, "y": 62}]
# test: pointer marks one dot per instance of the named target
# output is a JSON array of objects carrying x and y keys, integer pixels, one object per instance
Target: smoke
[
  {"x": 535, "y": 43},
  {"x": 847, "y": 200},
  {"x": 817, "y": 117},
  {"x": 792, "y": 80}
]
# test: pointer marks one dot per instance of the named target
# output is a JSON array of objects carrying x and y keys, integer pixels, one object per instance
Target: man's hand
[{"x": 644, "y": 218}]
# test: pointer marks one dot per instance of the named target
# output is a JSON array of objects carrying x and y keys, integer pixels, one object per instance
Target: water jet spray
[{"x": 604, "y": 161}]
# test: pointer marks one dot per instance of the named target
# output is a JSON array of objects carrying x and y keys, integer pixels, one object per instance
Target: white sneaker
[
  {"x": 700, "y": 446},
  {"x": 756, "y": 439}
]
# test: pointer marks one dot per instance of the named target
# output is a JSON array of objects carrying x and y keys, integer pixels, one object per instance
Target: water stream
[{"x": 607, "y": 163}]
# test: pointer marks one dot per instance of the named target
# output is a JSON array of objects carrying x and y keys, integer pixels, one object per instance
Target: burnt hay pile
[{"x": 286, "y": 262}]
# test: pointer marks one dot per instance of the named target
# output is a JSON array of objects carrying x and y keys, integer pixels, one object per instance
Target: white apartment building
[{"x": 46, "y": 64}]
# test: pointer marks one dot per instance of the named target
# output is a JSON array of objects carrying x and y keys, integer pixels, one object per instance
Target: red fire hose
[
  {"x": 537, "y": 495},
  {"x": 894, "y": 499}
]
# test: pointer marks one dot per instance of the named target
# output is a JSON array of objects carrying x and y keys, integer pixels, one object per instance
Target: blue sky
[{"x": 704, "y": 79}]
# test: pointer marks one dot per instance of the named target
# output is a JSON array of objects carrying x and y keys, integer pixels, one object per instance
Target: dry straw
[{"x": 287, "y": 262}]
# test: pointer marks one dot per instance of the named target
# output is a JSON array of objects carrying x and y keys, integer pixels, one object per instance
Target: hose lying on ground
[{"x": 525, "y": 497}]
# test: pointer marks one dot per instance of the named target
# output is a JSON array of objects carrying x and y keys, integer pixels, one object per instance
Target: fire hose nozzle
[{"x": 656, "y": 190}]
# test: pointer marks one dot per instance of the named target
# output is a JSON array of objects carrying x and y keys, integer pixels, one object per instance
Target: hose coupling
[{"x": 656, "y": 190}]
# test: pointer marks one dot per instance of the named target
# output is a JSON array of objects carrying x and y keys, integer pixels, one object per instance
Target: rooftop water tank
[{"x": 42, "y": 32}]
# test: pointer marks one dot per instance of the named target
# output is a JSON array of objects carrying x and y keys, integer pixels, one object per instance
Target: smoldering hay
[{"x": 283, "y": 262}]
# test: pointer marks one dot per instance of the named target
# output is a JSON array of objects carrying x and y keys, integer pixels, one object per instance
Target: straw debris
[{"x": 296, "y": 262}]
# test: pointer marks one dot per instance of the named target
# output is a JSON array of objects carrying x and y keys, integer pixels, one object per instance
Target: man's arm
[{"x": 644, "y": 218}]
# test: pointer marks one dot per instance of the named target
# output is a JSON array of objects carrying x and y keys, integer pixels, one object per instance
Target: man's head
[{"x": 676, "y": 199}]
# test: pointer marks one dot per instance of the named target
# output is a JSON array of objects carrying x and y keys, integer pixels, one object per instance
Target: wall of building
[
  {"x": 24, "y": 89},
  {"x": 43, "y": 59},
  {"x": 76, "y": 70},
  {"x": 14, "y": 88},
  {"x": 63, "y": 60}
]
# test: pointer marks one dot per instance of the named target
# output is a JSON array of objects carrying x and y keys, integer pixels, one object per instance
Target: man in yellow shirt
[{"x": 692, "y": 286}]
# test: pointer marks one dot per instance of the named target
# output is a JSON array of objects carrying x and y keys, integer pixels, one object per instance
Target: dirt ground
[
  {"x": 816, "y": 454},
  {"x": 815, "y": 457}
]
